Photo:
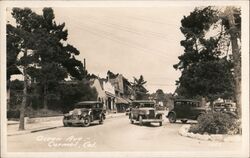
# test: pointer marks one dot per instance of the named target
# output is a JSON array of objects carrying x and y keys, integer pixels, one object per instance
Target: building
[
  {"x": 106, "y": 93},
  {"x": 123, "y": 91},
  {"x": 114, "y": 92}
]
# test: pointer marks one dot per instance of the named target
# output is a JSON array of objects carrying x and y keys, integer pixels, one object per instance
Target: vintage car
[
  {"x": 226, "y": 107},
  {"x": 84, "y": 113},
  {"x": 185, "y": 110},
  {"x": 144, "y": 111},
  {"x": 127, "y": 112}
]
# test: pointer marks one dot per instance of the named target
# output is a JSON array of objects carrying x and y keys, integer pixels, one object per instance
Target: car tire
[
  {"x": 199, "y": 115},
  {"x": 160, "y": 123},
  {"x": 140, "y": 121},
  {"x": 86, "y": 121},
  {"x": 101, "y": 120},
  {"x": 65, "y": 124},
  {"x": 184, "y": 121},
  {"x": 131, "y": 121},
  {"x": 172, "y": 117}
]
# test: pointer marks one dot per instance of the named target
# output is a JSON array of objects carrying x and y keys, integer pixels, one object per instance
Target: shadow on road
[
  {"x": 80, "y": 126},
  {"x": 147, "y": 125},
  {"x": 187, "y": 123}
]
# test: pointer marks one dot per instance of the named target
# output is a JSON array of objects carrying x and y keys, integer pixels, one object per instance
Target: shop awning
[
  {"x": 110, "y": 94},
  {"x": 120, "y": 100}
]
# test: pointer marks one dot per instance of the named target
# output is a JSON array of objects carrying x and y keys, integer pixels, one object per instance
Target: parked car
[
  {"x": 127, "y": 112},
  {"x": 84, "y": 113},
  {"x": 185, "y": 110},
  {"x": 144, "y": 111},
  {"x": 226, "y": 107}
]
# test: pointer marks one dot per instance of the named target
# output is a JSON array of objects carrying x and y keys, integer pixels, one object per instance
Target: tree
[
  {"x": 73, "y": 93},
  {"x": 53, "y": 57},
  {"x": 231, "y": 20},
  {"x": 20, "y": 40},
  {"x": 140, "y": 92},
  {"x": 160, "y": 96},
  {"x": 206, "y": 70},
  {"x": 46, "y": 56}
]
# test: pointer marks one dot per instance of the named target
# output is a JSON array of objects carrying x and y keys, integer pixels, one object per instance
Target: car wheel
[
  {"x": 140, "y": 121},
  {"x": 65, "y": 124},
  {"x": 201, "y": 114},
  {"x": 86, "y": 121},
  {"x": 101, "y": 120},
  {"x": 131, "y": 121},
  {"x": 184, "y": 121},
  {"x": 160, "y": 123},
  {"x": 172, "y": 118}
]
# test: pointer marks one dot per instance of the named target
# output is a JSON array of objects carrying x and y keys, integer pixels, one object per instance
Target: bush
[
  {"x": 216, "y": 123},
  {"x": 13, "y": 114}
]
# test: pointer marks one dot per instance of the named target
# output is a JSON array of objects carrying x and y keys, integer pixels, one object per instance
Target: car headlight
[
  {"x": 147, "y": 112},
  {"x": 79, "y": 112},
  {"x": 84, "y": 114},
  {"x": 71, "y": 112}
]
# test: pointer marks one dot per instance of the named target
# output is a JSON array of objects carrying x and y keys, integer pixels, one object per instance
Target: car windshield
[
  {"x": 88, "y": 106},
  {"x": 143, "y": 105},
  {"x": 187, "y": 103}
]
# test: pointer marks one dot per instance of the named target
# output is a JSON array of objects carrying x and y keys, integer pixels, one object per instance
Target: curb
[
  {"x": 183, "y": 131},
  {"x": 32, "y": 131},
  {"x": 48, "y": 128}
]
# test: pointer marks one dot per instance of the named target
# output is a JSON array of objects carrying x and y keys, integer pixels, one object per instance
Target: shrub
[
  {"x": 13, "y": 114},
  {"x": 216, "y": 123}
]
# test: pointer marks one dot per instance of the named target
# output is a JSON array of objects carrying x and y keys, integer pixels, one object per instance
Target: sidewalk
[{"x": 12, "y": 127}]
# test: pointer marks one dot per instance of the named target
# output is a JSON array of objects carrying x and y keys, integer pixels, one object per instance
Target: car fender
[
  {"x": 170, "y": 113},
  {"x": 201, "y": 113},
  {"x": 159, "y": 114},
  {"x": 103, "y": 115}
]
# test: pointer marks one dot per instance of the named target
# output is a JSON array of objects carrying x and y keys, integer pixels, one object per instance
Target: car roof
[
  {"x": 143, "y": 101},
  {"x": 88, "y": 102},
  {"x": 190, "y": 100}
]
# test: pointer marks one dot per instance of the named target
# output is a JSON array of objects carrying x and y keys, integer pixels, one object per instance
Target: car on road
[
  {"x": 144, "y": 111},
  {"x": 84, "y": 113},
  {"x": 226, "y": 107},
  {"x": 127, "y": 111},
  {"x": 186, "y": 109}
]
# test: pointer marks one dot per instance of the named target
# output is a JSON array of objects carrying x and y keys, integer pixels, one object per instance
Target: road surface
[{"x": 116, "y": 134}]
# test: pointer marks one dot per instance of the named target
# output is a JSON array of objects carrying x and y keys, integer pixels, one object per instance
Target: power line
[{"x": 110, "y": 36}]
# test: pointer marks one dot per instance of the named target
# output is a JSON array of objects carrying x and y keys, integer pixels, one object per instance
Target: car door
[{"x": 180, "y": 109}]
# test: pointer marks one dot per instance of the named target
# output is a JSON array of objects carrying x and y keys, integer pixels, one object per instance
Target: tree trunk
[
  {"x": 236, "y": 59},
  {"x": 45, "y": 98},
  {"x": 237, "y": 74},
  {"x": 24, "y": 101}
]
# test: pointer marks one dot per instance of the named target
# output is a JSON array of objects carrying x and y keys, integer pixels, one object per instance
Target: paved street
[{"x": 116, "y": 134}]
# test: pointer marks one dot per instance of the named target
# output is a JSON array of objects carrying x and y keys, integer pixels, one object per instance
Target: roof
[
  {"x": 110, "y": 94},
  {"x": 120, "y": 100}
]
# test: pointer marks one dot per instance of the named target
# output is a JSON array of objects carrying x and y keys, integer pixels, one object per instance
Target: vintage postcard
[{"x": 124, "y": 78}]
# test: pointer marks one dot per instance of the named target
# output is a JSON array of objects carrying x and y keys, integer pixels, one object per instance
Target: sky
[{"x": 128, "y": 41}]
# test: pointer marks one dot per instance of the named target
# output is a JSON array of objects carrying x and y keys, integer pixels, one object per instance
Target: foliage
[
  {"x": 140, "y": 92},
  {"x": 50, "y": 58},
  {"x": 204, "y": 71},
  {"x": 212, "y": 79},
  {"x": 73, "y": 93},
  {"x": 13, "y": 114},
  {"x": 216, "y": 123}
]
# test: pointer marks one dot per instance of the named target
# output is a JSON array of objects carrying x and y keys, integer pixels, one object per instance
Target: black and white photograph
[{"x": 124, "y": 79}]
